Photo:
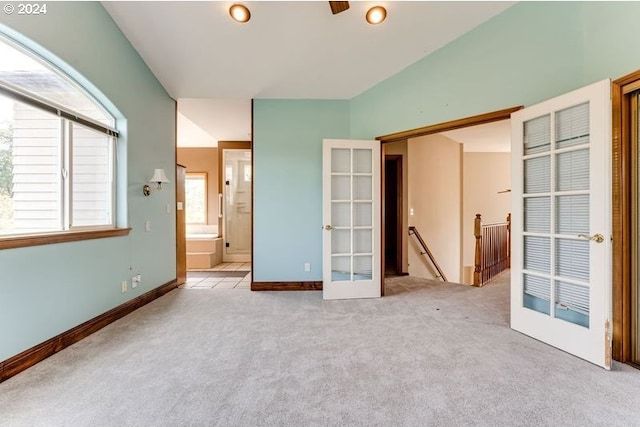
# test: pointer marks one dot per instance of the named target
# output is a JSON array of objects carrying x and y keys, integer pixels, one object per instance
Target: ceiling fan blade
[{"x": 338, "y": 6}]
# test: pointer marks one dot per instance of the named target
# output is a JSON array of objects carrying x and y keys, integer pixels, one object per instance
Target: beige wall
[
  {"x": 400, "y": 148},
  {"x": 435, "y": 166},
  {"x": 484, "y": 175},
  {"x": 204, "y": 160}
]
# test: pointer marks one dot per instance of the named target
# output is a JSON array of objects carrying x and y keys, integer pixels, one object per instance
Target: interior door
[
  {"x": 237, "y": 205},
  {"x": 561, "y": 244},
  {"x": 351, "y": 216}
]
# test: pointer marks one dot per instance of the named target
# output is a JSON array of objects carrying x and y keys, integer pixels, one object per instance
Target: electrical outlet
[
  {"x": 124, "y": 286},
  {"x": 147, "y": 225},
  {"x": 307, "y": 266},
  {"x": 135, "y": 280}
]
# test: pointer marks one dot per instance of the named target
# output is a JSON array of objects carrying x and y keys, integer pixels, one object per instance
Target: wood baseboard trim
[
  {"x": 30, "y": 357},
  {"x": 286, "y": 286}
]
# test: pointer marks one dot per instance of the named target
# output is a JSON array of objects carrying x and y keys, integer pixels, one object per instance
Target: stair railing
[
  {"x": 413, "y": 230},
  {"x": 493, "y": 249}
]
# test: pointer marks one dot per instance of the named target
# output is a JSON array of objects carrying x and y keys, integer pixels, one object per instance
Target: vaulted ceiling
[{"x": 294, "y": 49}]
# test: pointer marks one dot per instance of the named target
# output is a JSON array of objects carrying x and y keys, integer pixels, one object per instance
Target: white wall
[
  {"x": 435, "y": 165},
  {"x": 484, "y": 175}
]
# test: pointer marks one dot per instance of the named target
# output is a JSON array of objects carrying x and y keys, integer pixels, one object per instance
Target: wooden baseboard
[
  {"x": 286, "y": 286},
  {"x": 30, "y": 357}
]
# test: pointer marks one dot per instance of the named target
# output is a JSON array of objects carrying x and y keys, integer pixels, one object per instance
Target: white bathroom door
[
  {"x": 351, "y": 219},
  {"x": 561, "y": 222}
]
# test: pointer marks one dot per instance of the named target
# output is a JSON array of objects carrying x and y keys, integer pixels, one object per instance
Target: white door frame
[{"x": 334, "y": 287}]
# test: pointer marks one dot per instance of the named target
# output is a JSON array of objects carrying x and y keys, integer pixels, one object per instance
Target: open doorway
[
  {"x": 234, "y": 189},
  {"x": 450, "y": 175},
  {"x": 393, "y": 217},
  {"x": 204, "y": 129}
]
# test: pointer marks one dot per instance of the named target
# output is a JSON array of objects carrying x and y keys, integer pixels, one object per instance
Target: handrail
[
  {"x": 414, "y": 230},
  {"x": 493, "y": 249}
]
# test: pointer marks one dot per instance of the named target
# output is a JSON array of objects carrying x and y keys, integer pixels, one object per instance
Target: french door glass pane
[
  {"x": 340, "y": 160},
  {"x": 572, "y": 259},
  {"x": 572, "y": 126},
  {"x": 362, "y": 188},
  {"x": 572, "y": 214},
  {"x": 536, "y": 254},
  {"x": 340, "y": 187},
  {"x": 340, "y": 241},
  {"x": 363, "y": 267},
  {"x": 362, "y": 161},
  {"x": 537, "y": 178},
  {"x": 537, "y": 135},
  {"x": 572, "y": 303},
  {"x": 362, "y": 241},
  {"x": 340, "y": 268},
  {"x": 572, "y": 170},
  {"x": 537, "y": 293},
  {"x": 362, "y": 214},
  {"x": 537, "y": 214},
  {"x": 341, "y": 214}
]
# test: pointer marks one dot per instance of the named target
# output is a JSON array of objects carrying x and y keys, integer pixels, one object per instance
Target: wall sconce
[{"x": 158, "y": 176}]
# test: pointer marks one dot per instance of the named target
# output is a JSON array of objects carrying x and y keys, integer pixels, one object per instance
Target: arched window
[{"x": 57, "y": 146}]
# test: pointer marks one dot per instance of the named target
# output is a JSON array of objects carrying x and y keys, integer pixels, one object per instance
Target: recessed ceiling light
[
  {"x": 240, "y": 13},
  {"x": 376, "y": 15}
]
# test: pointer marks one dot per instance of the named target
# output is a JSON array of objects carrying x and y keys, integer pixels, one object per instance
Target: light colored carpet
[{"x": 427, "y": 354}]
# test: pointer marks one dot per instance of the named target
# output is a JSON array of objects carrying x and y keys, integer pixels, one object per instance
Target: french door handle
[
  {"x": 598, "y": 238},
  {"x": 328, "y": 227},
  {"x": 219, "y": 205}
]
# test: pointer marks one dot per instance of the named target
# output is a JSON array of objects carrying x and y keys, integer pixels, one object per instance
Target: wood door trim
[
  {"x": 622, "y": 212},
  {"x": 494, "y": 116}
]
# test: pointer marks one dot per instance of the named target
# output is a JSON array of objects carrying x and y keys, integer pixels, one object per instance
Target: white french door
[
  {"x": 351, "y": 218},
  {"x": 561, "y": 222}
]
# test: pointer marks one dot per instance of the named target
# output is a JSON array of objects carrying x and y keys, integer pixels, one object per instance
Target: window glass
[
  {"x": 29, "y": 74},
  {"x": 56, "y": 154},
  {"x": 196, "y": 198},
  {"x": 30, "y": 169}
]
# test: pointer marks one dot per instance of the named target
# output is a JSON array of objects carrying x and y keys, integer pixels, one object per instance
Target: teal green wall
[
  {"x": 287, "y": 148},
  {"x": 46, "y": 290},
  {"x": 531, "y": 52}
]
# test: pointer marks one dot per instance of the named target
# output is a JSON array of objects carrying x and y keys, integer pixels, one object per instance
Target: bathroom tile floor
[{"x": 228, "y": 275}]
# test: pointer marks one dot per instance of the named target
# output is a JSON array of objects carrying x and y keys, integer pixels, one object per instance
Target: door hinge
[
  {"x": 227, "y": 182},
  {"x": 226, "y": 244}
]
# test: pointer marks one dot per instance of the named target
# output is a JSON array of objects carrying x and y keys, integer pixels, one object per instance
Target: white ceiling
[
  {"x": 489, "y": 137},
  {"x": 287, "y": 50}
]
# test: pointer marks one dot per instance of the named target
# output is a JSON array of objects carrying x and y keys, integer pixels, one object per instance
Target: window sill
[{"x": 61, "y": 237}]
